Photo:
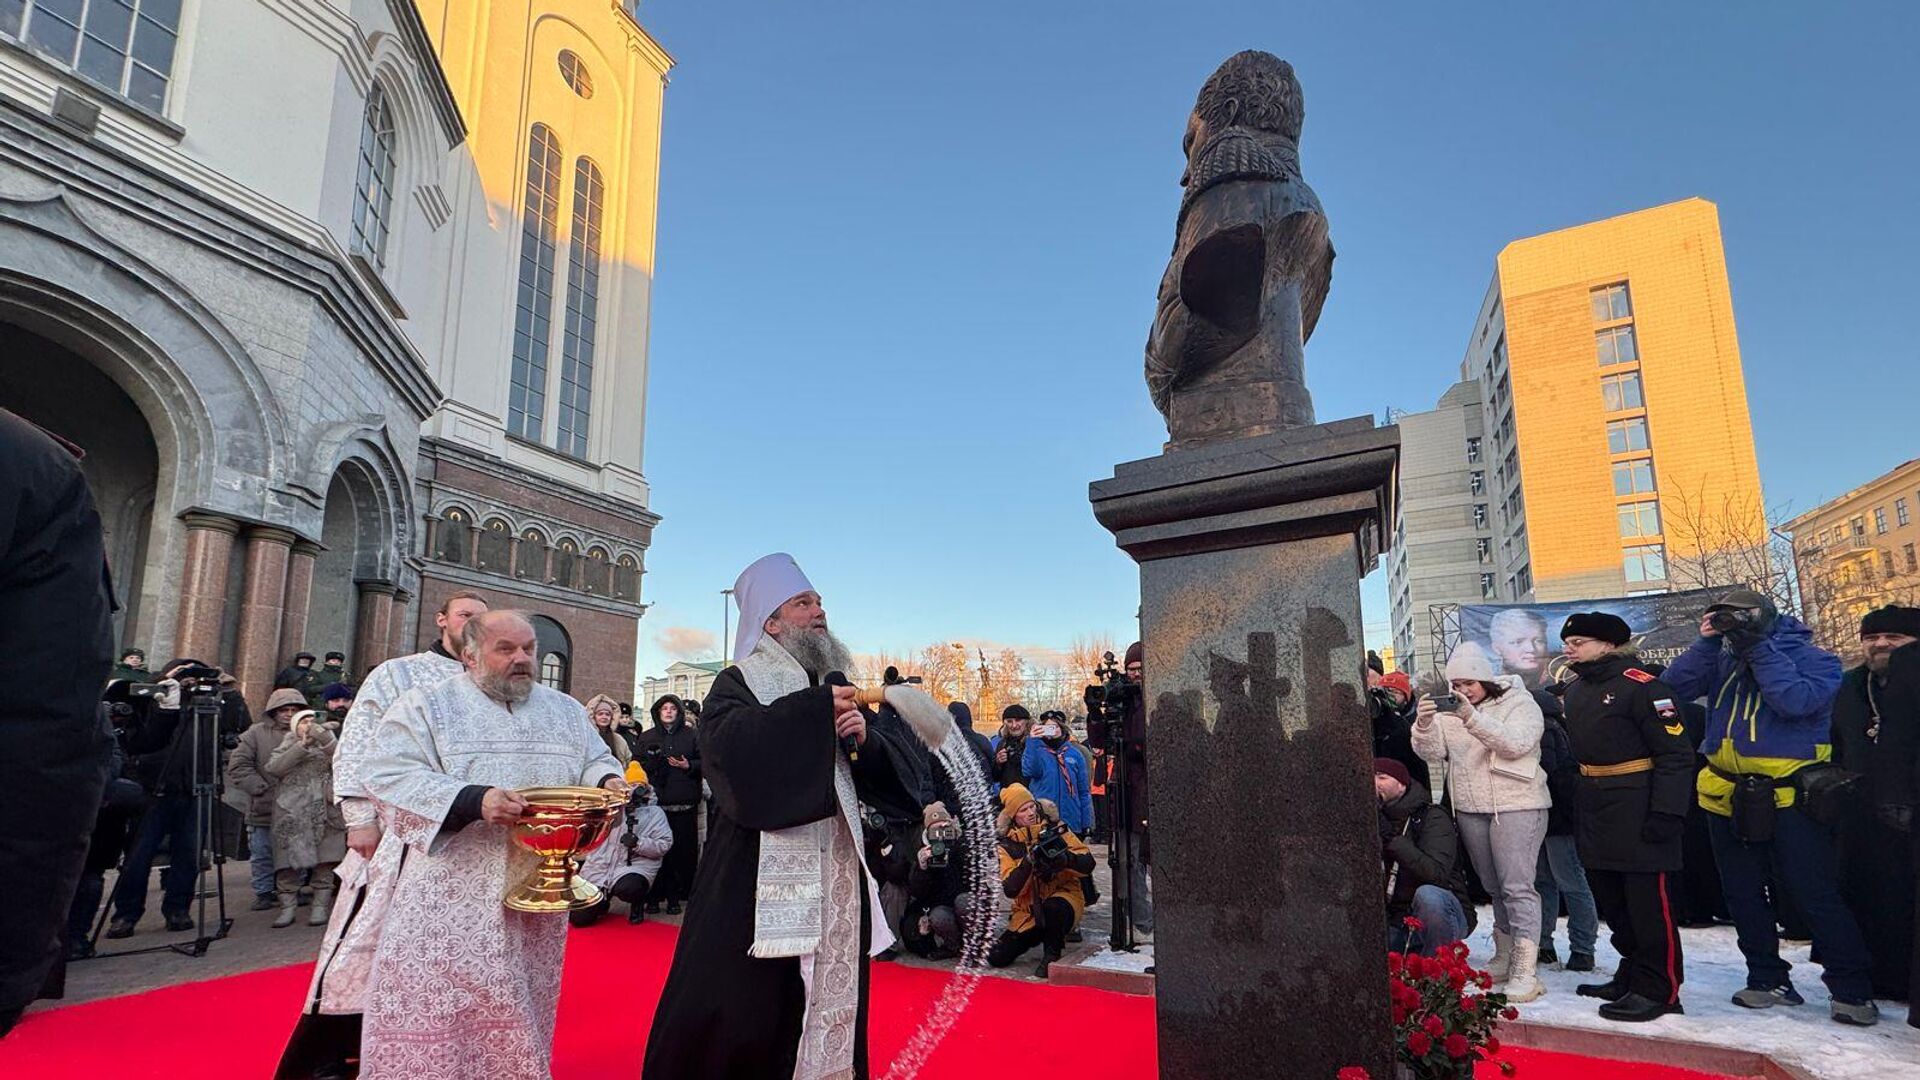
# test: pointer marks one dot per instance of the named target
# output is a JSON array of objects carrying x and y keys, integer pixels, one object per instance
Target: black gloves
[
  {"x": 1744, "y": 637},
  {"x": 1662, "y": 828},
  {"x": 1896, "y": 817}
]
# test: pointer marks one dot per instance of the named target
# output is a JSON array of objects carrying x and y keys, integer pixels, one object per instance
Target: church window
[
  {"x": 373, "y": 185},
  {"x": 583, "y": 305},
  {"x": 574, "y": 71},
  {"x": 125, "y": 46},
  {"x": 533, "y": 315}
]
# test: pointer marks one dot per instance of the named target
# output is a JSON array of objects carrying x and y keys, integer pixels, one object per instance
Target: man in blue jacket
[
  {"x": 1056, "y": 772},
  {"x": 1769, "y": 692}
]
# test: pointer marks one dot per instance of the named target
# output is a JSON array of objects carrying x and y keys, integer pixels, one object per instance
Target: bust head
[{"x": 1253, "y": 89}]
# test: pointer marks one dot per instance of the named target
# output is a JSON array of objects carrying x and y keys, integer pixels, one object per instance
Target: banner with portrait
[{"x": 1524, "y": 639}]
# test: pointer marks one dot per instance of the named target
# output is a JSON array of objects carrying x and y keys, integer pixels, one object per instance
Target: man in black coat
[
  {"x": 1420, "y": 855},
  {"x": 1636, "y": 783},
  {"x": 670, "y": 753},
  {"x": 56, "y": 647},
  {"x": 1876, "y": 725}
]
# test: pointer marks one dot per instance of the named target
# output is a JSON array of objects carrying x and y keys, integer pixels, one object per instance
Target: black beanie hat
[
  {"x": 1386, "y": 766},
  {"x": 1598, "y": 625},
  {"x": 1136, "y": 653},
  {"x": 1015, "y": 712},
  {"x": 1892, "y": 619}
]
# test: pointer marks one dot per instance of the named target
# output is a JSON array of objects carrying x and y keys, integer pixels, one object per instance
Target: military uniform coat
[{"x": 1617, "y": 713}]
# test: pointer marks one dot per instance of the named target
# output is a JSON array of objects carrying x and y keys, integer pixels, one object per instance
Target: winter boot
[
  {"x": 1502, "y": 956},
  {"x": 1523, "y": 985},
  {"x": 322, "y": 907},
  {"x": 289, "y": 906},
  {"x": 265, "y": 901},
  {"x": 1580, "y": 961},
  {"x": 1855, "y": 1014},
  {"x": 1636, "y": 1009},
  {"x": 1547, "y": 955}
]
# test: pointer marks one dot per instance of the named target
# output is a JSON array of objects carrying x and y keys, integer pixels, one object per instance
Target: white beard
[{"x": 818, "y": 651}]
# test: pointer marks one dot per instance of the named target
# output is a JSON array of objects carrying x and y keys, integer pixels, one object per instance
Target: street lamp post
[{"x": 726, "y": 622}]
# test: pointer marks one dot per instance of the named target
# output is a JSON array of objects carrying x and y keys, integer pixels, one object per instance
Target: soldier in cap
[{"x": 1636, "y": 782}]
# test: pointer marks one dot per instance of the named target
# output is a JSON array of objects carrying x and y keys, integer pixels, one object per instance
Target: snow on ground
[
  {"x": 1805, "y": 1037},
  {"x": 1109, "y": 960}
]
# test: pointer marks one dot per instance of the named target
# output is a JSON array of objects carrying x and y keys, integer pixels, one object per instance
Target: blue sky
[{"x": 908, "y": 254}]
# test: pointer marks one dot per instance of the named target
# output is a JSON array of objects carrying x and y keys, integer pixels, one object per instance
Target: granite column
[
  {"x": 299, "y": 598},
  {"x": 262, "y": 610},
  {"x": 203, "y": 586},
  {"x": 375, "y": 623}
]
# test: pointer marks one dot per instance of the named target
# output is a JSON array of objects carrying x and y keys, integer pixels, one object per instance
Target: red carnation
[
  {"x": 1510, "y": 1013},
  {"x": 1394, "y": 963},
  {"x": 1456, "y": 1046},
  {"x": 1492, "y": 1045},
  {"x": 1412, "y": 923},
  {"x": 1354, "y": 1072},
  {"x": 1418, "y": 1044},
  {"x": 1434, "y": 1026}
]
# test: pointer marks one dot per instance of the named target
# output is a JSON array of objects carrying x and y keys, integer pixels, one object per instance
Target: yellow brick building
[
  {"x": 1858, "y": 552},
  {"x": 1598, "y": 443},
  {"x": 1629, "y": 409}
]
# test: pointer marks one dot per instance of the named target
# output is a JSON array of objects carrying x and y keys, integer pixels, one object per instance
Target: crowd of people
[{"x": 1751, "y": 781}]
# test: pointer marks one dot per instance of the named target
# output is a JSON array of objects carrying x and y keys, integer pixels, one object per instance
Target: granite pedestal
[{"x": 1270, "y": 941}]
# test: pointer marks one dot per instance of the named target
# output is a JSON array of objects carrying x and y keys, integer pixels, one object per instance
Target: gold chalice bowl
[{"x": 561, "y": 824}]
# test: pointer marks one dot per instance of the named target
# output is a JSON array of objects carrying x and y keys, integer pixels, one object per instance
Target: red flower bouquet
[{"x": 1444, "y": 1015}]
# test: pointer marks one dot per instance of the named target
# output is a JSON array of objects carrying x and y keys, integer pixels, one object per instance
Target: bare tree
[{"x": 1727, "y": 543}]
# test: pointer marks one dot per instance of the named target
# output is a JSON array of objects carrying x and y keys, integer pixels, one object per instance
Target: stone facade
[{"x": 283, "y": 323}]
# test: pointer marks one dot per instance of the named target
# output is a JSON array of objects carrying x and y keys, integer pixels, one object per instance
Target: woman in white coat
[{"x": 1488, "y": 743}]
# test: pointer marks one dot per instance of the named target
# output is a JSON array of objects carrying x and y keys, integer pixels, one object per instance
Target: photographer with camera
[
  {"x": 627, "y": 864},
  {"x": 1042, "y": 864},
  {"x": 1057, "y": 773},
  {"x": 937, "y": 896},
  {"x": 167, "y": 758},
  {"x": 1010, "y": 746},
  {"x": 670, "y": 754},
  {"x": 1390, "y": 707},
  {"x": 1773, "y": 794},
  {"x": 1117, "y": 725}
]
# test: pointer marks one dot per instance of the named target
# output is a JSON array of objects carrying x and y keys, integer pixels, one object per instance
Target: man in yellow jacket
[{"x": 1042, "y": 864}]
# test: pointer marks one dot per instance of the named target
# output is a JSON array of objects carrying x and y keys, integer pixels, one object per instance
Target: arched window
[
  {"x": 533, "y": 316},
  {"x": 626, "y": 578},
  {"x": 553, "y": 671},
  {"x": 596, "y": 575},
  {"x": 583, "y": 309},
  {"x": 530, "y": 561},
  {"x": 560, "y": 572},
  {"x": 554, "y": 646},
  {"x": 123, "y": 45},
  {"x": 494, "y": 546},
  {"x": 575, "y": 73},
  {"x": 452, "y": 536},
  {"x": 373, "y": 188}
]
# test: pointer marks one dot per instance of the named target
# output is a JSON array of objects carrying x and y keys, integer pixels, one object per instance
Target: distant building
[
  {"x": 348, "y": 304},
  {"x": 1857, "y": 553},
  {"x": 685, "y": 679},
  {"x": 1599, "y": 440}
]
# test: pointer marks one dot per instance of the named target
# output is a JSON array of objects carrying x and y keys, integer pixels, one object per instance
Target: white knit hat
[{"x": 1469, "y": 661}]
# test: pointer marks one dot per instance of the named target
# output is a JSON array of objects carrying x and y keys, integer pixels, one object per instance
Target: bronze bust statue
[{"x": 1250, "y": 266}]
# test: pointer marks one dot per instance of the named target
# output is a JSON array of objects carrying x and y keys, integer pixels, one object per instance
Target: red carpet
[{"x": 235, "y": 1027}]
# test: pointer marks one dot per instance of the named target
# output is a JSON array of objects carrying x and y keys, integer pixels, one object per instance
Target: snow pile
[
  {"x": 1804, "y": 1037},
  {"x": 1108, "y": 959}
]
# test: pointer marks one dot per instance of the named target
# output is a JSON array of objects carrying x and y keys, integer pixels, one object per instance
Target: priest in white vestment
[
  {"x": 460, "y": 986},
  {"x": 326, "y": 1041}
]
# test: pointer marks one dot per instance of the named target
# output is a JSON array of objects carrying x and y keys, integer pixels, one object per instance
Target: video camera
[
  {"x": 629, "y": 837},
  {"x": 942, "y": 836},
  {"x": 1050, "y": 849},
  {"x": 1728, "y": 619},
  {"x": 1108, "y": 702},
  {"x": 892, "y": 677}
]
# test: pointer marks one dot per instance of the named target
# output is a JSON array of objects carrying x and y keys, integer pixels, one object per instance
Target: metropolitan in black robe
[{"x": 726, "y": 1015}]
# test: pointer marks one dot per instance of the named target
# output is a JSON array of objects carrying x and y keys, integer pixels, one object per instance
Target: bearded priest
[
  {"x": 461, "y": 986},
  {"x": 770, "y": 977}
]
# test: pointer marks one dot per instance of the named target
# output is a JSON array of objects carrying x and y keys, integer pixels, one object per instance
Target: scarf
[{"x": 807, "y": 895}]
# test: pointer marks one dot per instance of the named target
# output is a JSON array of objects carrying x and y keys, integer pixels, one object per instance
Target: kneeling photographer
[
  {"x": 167, "y": 763},
  {"x": 937, "y": 897},
  {"x": 626, "y": 865},
  {"x": 1042, "y": 864}
]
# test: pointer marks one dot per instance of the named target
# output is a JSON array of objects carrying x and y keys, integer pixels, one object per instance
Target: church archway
[{"x": 69, "y": 394}]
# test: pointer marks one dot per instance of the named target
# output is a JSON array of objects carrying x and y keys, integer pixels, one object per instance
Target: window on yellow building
[
  {"x": 1615, "y": 345},
  {"x": 1913, "y": 564},
  {"x": 1622, "y": 391},
  {"x": 1611, "y": 302},
  {"x": 1880, "y": 520},
  {"x": 1886, "y": 562},
  {"x": 1647, "y": 562},
  {"x": 1626, "y": 436},
  {"x": 1633, "y": 477},
  {"x": 1900, "y": 514},
  {"x": 1639, "y": 519}
]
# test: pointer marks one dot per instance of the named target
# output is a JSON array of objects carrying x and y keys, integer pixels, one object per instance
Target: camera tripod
[{"x": 202, "y": 712}]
